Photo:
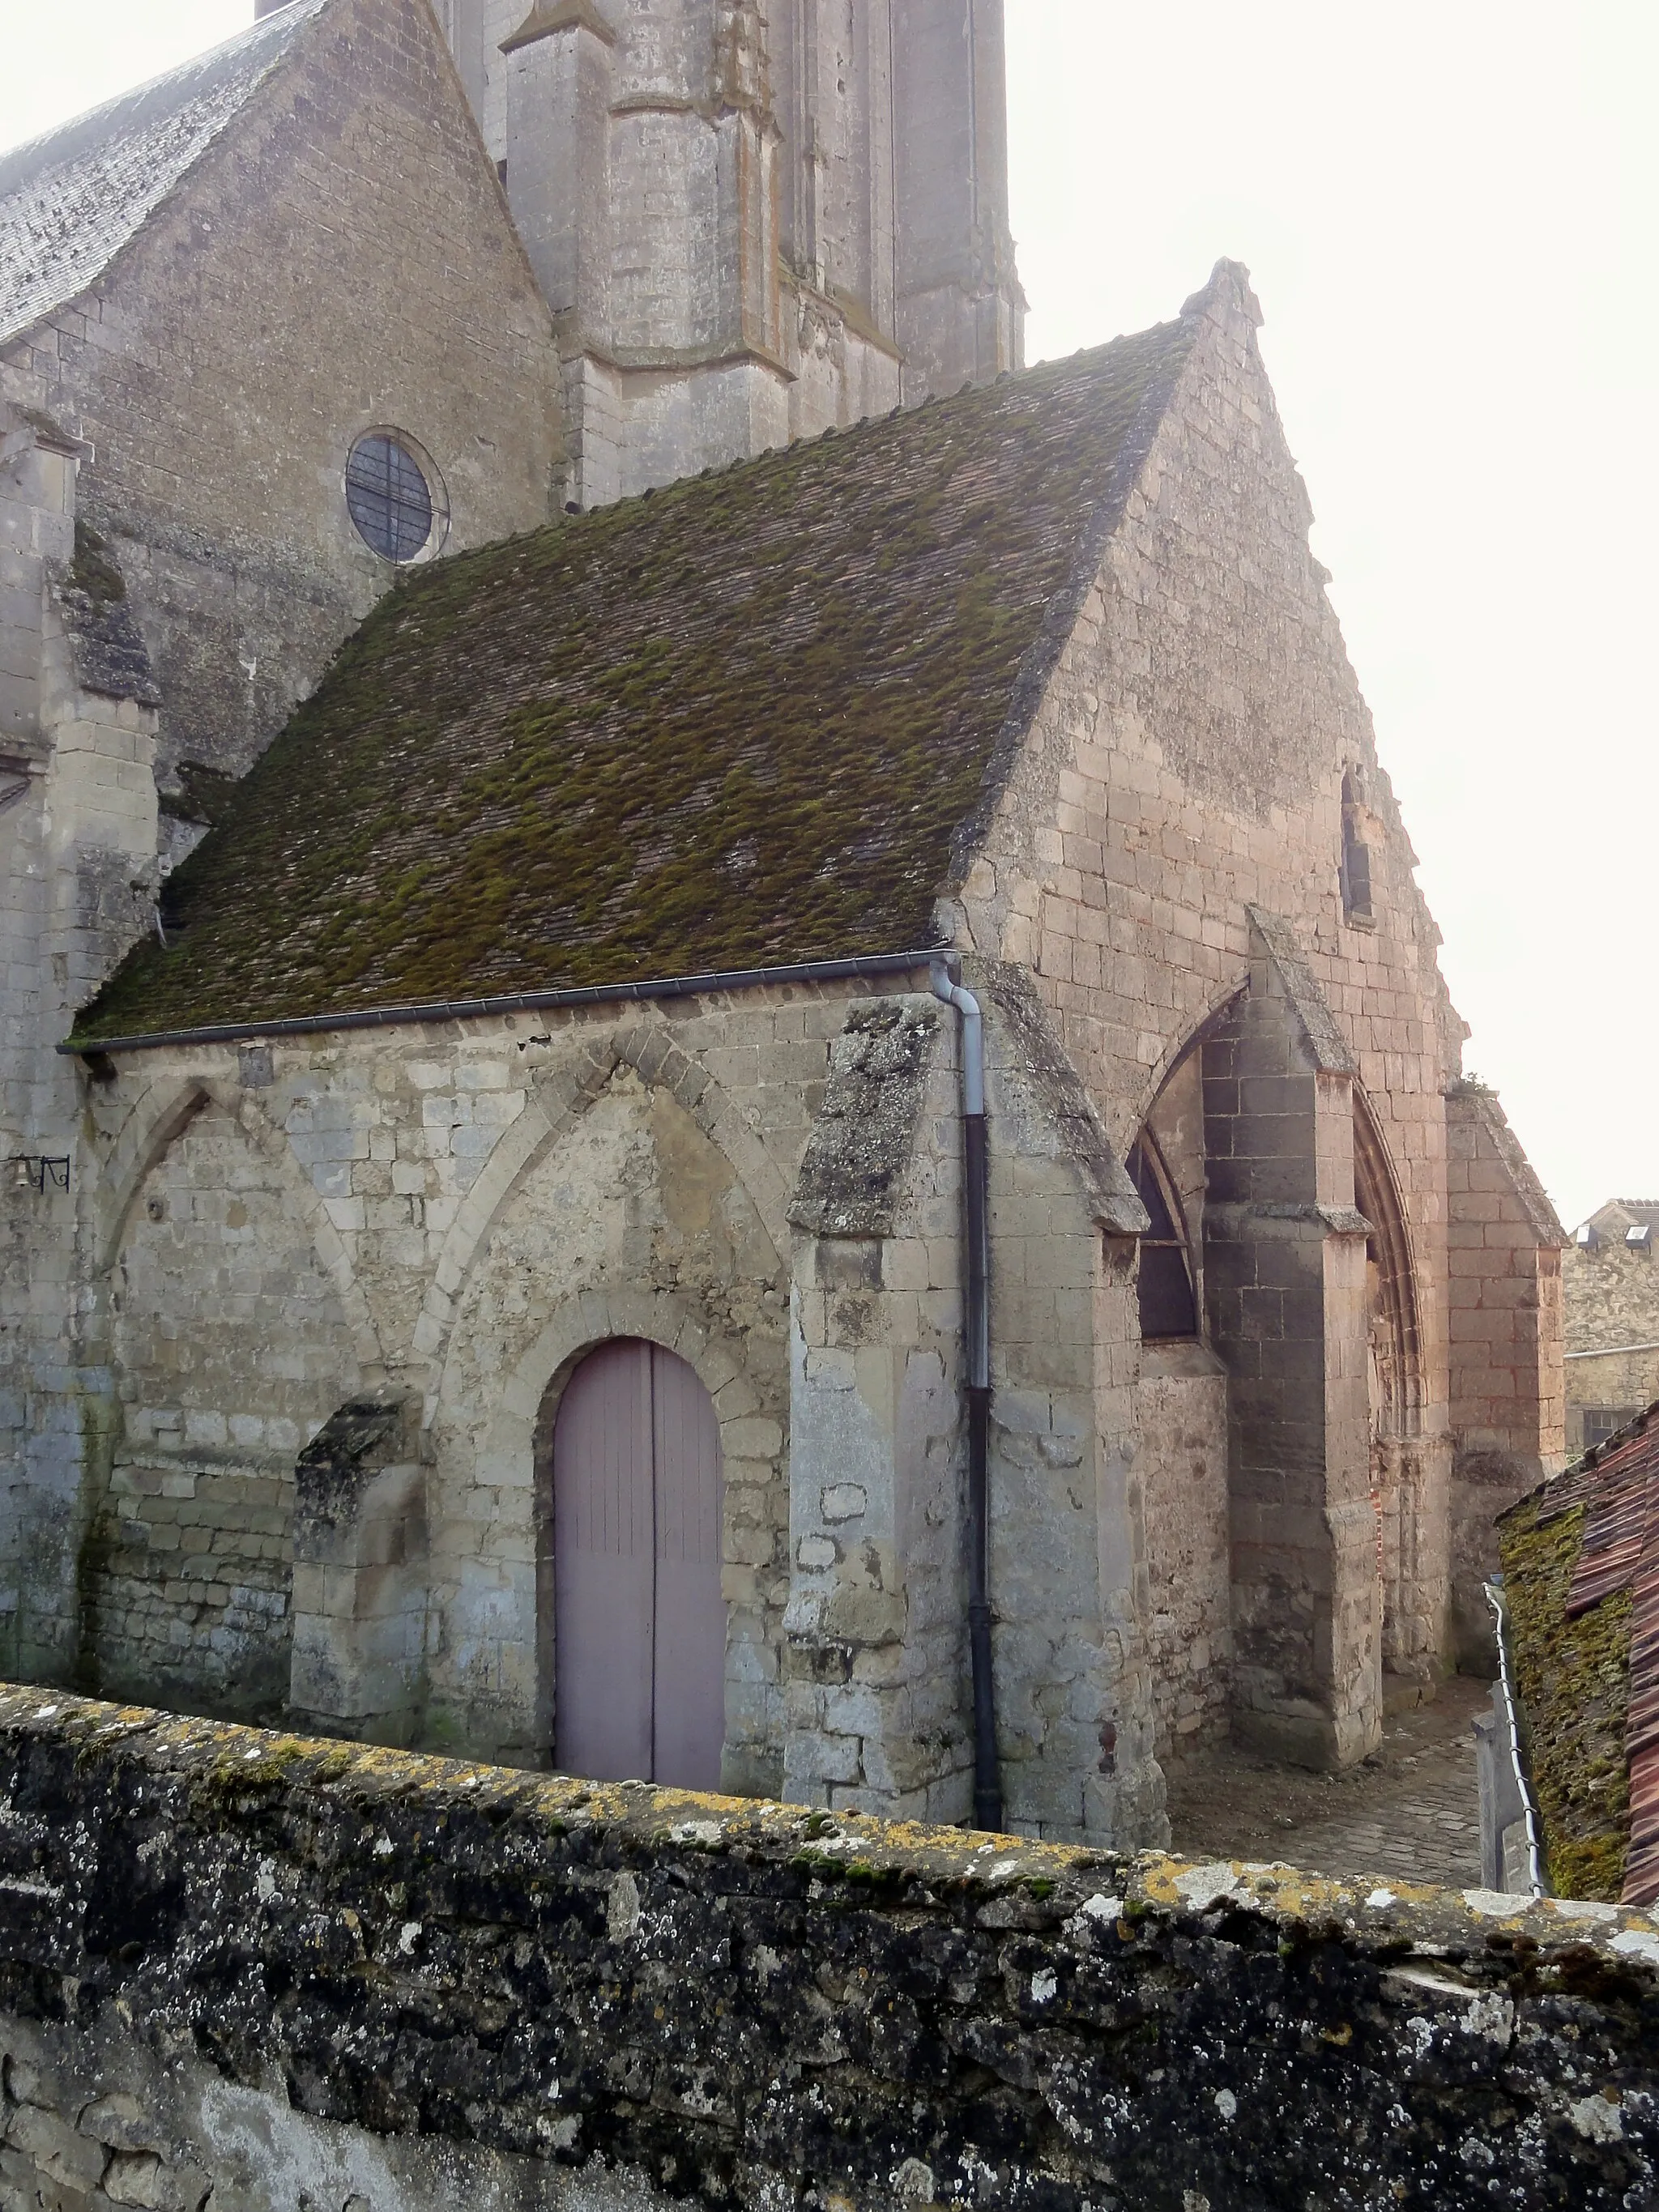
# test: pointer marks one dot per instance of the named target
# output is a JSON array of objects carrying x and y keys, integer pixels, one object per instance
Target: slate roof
[
  {"x": 71, "y": 201},
  {"x": 1581, "y": 1559},
  {"x": 744, "y": 720}
]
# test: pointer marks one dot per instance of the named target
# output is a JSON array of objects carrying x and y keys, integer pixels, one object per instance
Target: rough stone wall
[
  {"x": 768, "y": 1183},
  {"x": 421, "y": 1982},
  {"x": 465, "y": 1210},
  {"x": 77, "y": 845},
  {"x": 1610, "y": 1293},
  {"x": 633, "y": 1221},
  {"x": 1185, "y": 763},
  {"x": 340, "y": 260},
  {"x": 1508, "y": 1393},
  {"x": 1181, "y": 1409},
  {"x": 1610, "y": 1300},
  {"x": 231, "y": 1348},
  {"x": 877, "y": 1656}
]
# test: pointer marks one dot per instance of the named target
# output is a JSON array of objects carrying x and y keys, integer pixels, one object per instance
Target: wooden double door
[{"x": 639, "y": 1619}]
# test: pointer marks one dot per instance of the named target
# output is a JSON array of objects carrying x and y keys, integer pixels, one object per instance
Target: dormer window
[{"x": 1356, "y": 870}]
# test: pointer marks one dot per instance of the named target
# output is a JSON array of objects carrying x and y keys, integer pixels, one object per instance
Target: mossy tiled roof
[
  {"x": 735, "y": 723},
  {"x": 1581, "y": 1569}
]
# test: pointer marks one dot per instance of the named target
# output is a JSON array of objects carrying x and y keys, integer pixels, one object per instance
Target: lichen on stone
[{"x": 850, "y": 1176}]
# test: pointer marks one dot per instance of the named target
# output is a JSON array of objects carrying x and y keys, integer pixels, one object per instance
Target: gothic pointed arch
[
  {"x": 1391, "y": 1274},
  {"x": 559, "y": 1102}
]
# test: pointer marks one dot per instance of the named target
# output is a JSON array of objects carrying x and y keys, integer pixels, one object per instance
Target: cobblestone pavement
[{"x": 1411, "y": 1811}]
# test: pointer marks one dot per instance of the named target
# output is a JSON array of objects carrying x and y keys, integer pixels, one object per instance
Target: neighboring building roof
[
  {"x": 746, "y": 719},
  {"x": 1581, "y": 1571},
  {"x": 1621, "y": 1213},
  {"x": 71, "y": 201}
]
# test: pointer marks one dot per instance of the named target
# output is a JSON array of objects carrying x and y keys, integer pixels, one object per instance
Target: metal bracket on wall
[{"x": 39, "y": 1170}]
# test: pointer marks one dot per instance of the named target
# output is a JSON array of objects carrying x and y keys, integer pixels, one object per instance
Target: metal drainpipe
[
  {"x": 987, "y": 1780},
  {"x": 1528, "y": 1810}
]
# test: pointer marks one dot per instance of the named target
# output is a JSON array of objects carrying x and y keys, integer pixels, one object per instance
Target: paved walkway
[{"x": 1410, "y": 1812}]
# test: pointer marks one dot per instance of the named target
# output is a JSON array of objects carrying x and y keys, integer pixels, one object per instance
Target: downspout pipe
[
  {"x": 1518, "y": 1765},
  {"x": 976, "y": 1237}
]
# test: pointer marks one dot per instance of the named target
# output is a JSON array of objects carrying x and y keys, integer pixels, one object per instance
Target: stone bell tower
[{"x": 753, "y": 222}]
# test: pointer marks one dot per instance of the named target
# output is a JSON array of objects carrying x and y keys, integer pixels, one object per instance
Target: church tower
[{"x": 752, "y": 221}]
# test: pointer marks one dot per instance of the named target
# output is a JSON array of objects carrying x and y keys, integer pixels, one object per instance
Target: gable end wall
[
  {"x": 1186, "y": 764},
  {"x": 340, "y": 259}
]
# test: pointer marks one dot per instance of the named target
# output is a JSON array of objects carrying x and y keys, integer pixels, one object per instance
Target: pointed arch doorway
[{"x": 639, "y": 1621}]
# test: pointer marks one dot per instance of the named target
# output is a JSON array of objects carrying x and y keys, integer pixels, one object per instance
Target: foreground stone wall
[{"x": 278, "y": 1973}]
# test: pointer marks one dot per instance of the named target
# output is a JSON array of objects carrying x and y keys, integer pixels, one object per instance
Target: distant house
[
  {"x": 1610, "y": 1287},
  {"x": 1581, "y": 1571}
]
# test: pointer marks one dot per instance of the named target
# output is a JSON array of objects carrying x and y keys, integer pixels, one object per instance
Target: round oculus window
[{"x": 388, "y": 497}]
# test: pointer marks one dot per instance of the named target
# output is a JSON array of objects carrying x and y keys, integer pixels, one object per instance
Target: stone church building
[{"x": 719, "y": 1059}]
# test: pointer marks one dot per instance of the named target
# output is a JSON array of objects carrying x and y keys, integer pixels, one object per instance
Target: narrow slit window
[{"x": 1356, "y": 853}]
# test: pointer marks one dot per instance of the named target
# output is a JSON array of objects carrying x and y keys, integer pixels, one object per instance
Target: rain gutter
[{"x": 870, "y": 967}]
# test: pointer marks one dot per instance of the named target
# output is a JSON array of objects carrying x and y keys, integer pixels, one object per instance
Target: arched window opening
[
  {"x": 1169, "y": 1306},
  {"x": 1356, "y": 853},
  {"x": 1391, "y": 1298},
  {"x": 639, "y": 1618}
]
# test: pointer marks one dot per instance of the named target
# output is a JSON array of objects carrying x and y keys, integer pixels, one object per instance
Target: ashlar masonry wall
[
  {"x": 250, "y": 1970},
  {"x": 1508, "y": 1390},
  {"x": 77, "y": 857},
  {"x": 1187, "y": 764}
]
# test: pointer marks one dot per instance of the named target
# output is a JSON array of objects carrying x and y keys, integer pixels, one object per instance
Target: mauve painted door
[
  {"x": 604, "y": 1567},
  {"x": 691, "y": 1630},
  {"x": 639, "y": 1622}
]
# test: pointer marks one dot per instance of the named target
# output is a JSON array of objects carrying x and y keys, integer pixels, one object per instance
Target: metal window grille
[{"x": 388, "y": 497}]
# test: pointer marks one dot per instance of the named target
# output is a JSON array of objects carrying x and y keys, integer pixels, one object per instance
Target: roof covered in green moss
[
  {"x": 1580, "y": 1573},
  {"x": 733, "y": 724}
]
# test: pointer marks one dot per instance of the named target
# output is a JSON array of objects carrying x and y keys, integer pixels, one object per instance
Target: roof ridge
[
  {"x": 16, "y": 168},
  {"x": 73, "y": 199}
]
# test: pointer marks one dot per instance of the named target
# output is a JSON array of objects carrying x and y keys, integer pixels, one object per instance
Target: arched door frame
[{"x": 519, "y": 1439}]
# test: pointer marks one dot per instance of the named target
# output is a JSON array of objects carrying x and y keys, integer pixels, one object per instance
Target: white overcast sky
[{"x": 1449, "y": 209}]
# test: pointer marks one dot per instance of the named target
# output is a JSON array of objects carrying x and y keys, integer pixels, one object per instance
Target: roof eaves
[{"x": 862, "y": 967}]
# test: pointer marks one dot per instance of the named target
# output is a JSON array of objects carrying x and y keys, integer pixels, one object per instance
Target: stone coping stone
[{"x": 747, "y": 2002}]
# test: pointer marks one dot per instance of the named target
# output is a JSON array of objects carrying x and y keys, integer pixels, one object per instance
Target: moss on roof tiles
[
  {"x": 1573, "y": 1676},
  {"x": 732, "y": 723}
]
